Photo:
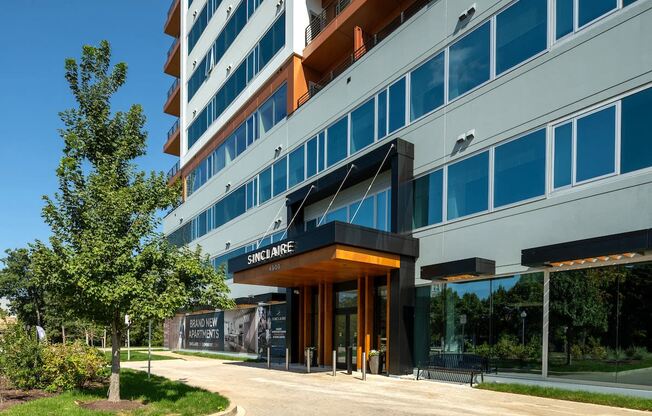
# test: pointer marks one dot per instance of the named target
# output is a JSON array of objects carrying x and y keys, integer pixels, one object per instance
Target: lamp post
[{"x": 523, "y": 316}]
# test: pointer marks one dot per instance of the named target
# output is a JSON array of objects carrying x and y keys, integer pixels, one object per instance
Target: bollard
[
  {"x": 349, "y": 360},
  {"x": 287, "y": 359},
  {"x": 308, "y": 356},
  {"x": 364, "y": 366},
  {"x": 334, "y": 362},
  {"x": 269, "y": 358}
]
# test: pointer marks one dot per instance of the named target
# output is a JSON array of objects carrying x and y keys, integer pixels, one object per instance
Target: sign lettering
[{"x": 271, "y": 252}]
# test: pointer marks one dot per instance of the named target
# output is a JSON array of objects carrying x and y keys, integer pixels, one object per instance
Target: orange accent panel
[
  {"x": 361, "y": 321},
  {"x": 173, "y": 64},
  {"x": 172, "y": 105},
  {"x": 369, "y": 314},
  {"x": 173, "y": 145},
  {"x": 328, "y": 323},
  {"x": 387, "y": 325},
  {"x": 302, "y": 346},
  {"x": 172, "y": 25}
]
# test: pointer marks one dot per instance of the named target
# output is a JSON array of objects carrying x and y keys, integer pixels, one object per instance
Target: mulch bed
[
  {"x": 12, "y": 397},
  {"x": 107, "y": 406}
]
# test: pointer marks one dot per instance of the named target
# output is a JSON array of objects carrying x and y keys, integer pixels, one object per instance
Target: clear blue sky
[{"x": 37, "y": 36}]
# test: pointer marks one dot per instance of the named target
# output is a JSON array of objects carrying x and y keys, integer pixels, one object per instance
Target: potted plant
[{"x": 374, "y": 361}]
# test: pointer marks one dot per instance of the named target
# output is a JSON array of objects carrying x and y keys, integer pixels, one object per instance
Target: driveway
[{"x": 277, "y": 392}]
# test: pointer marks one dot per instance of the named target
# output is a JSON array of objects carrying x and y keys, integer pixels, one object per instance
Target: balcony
[
  {"x": 174, "y": 171},
  {"x": 173, "y": 22},
  {"x": 173, "y": 143},
  {"x": 330, "y": 35},
  {"x": 173, "y": 63},
  {"x": 369, "y": 43},
  {"x": 173, "y": 102}
]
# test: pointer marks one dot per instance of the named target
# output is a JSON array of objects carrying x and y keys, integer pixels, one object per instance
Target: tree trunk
[
  {"x": 114, "y": 385},
  {"x": 38, "y": 316},
  {"x": 63, "y": 333},
  {"x": 86, "y": 334}
]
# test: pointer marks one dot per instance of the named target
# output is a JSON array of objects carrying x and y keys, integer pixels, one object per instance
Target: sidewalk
[{"x": 277, "y": 392}]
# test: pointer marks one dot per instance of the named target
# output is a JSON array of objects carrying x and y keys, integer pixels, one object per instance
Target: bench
[{"x": 457, "y": 366}]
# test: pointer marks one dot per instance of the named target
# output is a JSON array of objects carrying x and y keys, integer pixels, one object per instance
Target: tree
[
  {"x": 21, "y": 287},
  {"x": 106, "y": 258}
]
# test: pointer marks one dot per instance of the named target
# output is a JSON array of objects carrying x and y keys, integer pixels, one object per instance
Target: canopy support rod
[
  {"x": 372, "y": 182},
  {"x": 297, "y": 213},
  {"x": 335, "y": 196}
]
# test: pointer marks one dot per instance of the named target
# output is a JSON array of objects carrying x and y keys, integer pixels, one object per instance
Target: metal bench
[{"x": 456, "y": 366}]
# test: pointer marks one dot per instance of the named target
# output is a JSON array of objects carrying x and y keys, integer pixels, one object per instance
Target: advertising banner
[
  {"x": 205, "y": 331},
  {"x": 240, "y": 330},
  {"x": 271, "y": 331}
]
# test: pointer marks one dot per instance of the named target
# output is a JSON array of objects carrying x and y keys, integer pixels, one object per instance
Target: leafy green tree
[
  {"x": 106, "y": 258},
  {"x": 21, "y": 287}
]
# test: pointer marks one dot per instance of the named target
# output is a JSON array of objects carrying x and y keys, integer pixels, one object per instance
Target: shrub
[
  {"x": 20, "y": 357},
  {"x": 637, "y": 353},
  {"x": 70, "y": 366}
]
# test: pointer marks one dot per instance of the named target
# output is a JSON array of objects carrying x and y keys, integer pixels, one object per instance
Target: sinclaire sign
[{"x": 271, "y": 252}]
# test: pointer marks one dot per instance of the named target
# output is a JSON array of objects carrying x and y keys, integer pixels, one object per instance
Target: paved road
[{"x": 276, "y": 392}]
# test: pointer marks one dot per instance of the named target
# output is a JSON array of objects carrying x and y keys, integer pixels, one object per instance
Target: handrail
[
  {"x": 174, "y": 45},
  {"x": 173, "y": 87},
  {"x": 369, "y": 43},
  {"x": 173, "y": 170},
  {"x": 327, "y": 15},
  {"x": 173, "y": 129}
]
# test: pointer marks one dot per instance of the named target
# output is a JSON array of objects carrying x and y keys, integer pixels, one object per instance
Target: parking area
[{"x": 261, "y": 391}]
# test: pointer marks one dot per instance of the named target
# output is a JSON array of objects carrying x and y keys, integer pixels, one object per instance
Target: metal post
[
  {"x": 269, "y": 358},
  {"x": 149, "y": 350},
  {"x": 349, "y": 360},
  {"x": 128, "y": 346},
  {"x": 364, "y": 365},
  {"x": 334, "y": 362},
  {"x": 308, "y": 354},
  {"x": 287, "y": 359},
  {"x": 546, "y": 323}
]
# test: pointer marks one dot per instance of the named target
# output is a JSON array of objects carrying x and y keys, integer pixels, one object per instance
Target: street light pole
[{"x": 523, "y": 316}]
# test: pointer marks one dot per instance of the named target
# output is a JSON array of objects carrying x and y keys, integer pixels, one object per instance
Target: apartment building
[{"x": 420, "y": 178}]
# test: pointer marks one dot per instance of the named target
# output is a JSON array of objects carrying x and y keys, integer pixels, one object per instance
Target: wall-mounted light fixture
[{"x": 468, "y": 12}]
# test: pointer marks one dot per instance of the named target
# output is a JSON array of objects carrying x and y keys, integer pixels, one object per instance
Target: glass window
[
  {"x": 595, "y": 144},
  {"x": 265, "y": 185},
  {"x": 296, "y": 171},
  {"x": 589, "y": 10},
  {"x": 341, "y": 214},
  {"x": 564, "y": 18},
  {"x": 219, "y": 158},
  {"x": 240, "y": 139},
  {"x": 337, "y": 141},
  {"x": 521, "y": 32},
  {"x": 427, "y": 87},
  {"x": 229, "y": 149},
  {"x": 311, "y": 156},
  {"x": 468, "y": 186},
  {"x": 469, "y": 60},
  {"x": 362, "y": 126},
  {"x": 252, "y": 193},
  {"x": 365, "y": 212},
  {"x": 280, "y": 104},
  {"x": 382, "y": 114},
  {"x": 311, "y": 224},
  {"x": 397, "y": 105},
  {"x": 321, "y": 153},
  {"x": 280, "y": 173},
  {"x": 520, "y": 169},
  {"x": 382, "y": 222},
  {"x": 428, "y": 199},
  {"x": 563, "y": 155},
  {"x": 636, "y": 140},
  {"x": 266, "y": 116}
]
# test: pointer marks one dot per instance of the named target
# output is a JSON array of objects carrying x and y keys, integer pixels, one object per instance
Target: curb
[{"x": 231, "y": 411}]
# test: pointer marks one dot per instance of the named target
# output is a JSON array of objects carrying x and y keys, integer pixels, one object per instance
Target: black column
[
  {"x": 401, "y": 318},
  {"x": 291, "y": 322},
  {"x": 402, "y": 175}
]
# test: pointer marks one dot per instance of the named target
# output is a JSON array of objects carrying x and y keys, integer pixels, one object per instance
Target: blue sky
[{"x": 37, "y": 36}]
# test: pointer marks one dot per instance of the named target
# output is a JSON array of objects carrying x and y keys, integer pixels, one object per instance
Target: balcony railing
[
  {"x": 173, "y": 170},
  {"x": 174, "y": 45},
  {"x": 173, "y": 87},
  {"x": 319, "y": 22},
  {"x": 171, "y": 9},
  {"x": 173, "y": 129},
  {"x": 369, "y": 44}
]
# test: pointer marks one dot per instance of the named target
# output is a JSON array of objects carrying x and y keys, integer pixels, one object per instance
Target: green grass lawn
[
  {"x": 217, "y": 356},
  {"x": 602, "y": 366},
  {"x": 161, "y": 396},
  {"x": 137, "y": 356},
  {"x": 613, "y": 400}
]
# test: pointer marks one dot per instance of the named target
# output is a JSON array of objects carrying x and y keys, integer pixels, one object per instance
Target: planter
[{"x": 374, "y": 364}]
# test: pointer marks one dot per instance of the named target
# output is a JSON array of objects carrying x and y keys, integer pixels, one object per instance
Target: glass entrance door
[{"x": 345, "y": 325}]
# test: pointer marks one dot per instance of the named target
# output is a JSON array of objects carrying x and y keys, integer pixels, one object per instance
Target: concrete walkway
[{"x": 280, "y": 393}]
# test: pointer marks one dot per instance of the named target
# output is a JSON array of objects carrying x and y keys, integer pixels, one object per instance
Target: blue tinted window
[
  {"x": 427, "y": 87},
  {"x": 311, "y": 156},
  {"x": 321, "y": 152},
  {"x": 240, "y": 139},
  {"x": 596, "y": 144},
  {"x": 636, "y": 136},
  {"x": 628, "y": 2},
  {"x": 590, "y": 10},
  {"x": 365, "y": 215},
  {"x": 521, "y": 32},
  {"x": 265, "y": 185},
  {"x": 397, "y": 105},
  {"x": 280, "y": 104},
  {"x": 280, "y": 176},
  {"x": 428, "y": 199},
  {"x": 563, "y": 157},
  {"x": 362, "y": 126},
  {"x": 469, "y": 61},
  {"x": 336, "y": 148},
  {"x": 468, "y": 186},
  {"x": 340, "y": 214},
  {"x": 296, "y": 170},
  {"x": 382, "y": 114},
  {"x": 311, "y": 224},
  {"x": 382, "y": 222},
  {"x": 520, "y": 169},
  {"x": 266, "y": 116},
  {"x": 564, "y": 18}
]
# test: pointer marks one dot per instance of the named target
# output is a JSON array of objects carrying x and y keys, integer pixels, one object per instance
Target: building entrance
[{"x": 345, "y": 326}]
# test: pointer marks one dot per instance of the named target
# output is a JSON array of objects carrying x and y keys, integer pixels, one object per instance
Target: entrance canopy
[{"x": 335, "y": 252}]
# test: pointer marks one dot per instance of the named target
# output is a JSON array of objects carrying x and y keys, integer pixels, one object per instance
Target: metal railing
[
  {"x": 319, "y": 22},
  {"x": 173, "y": 170},
  {"x": 173, "y": 129},
  {"x": 174, "y": 45},
  {"x": 173, "y": 87},
  {"x": 369, "y": 43},
  {"x": 171, "y": 8}
]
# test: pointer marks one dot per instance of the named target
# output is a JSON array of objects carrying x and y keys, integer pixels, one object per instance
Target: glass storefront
[{"x": 600, "y": 324}]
